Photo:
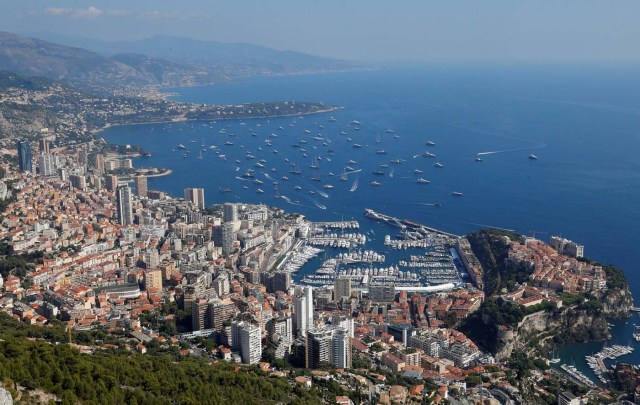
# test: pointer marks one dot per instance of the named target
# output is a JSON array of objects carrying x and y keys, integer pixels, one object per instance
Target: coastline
[{"x": 183, "y": 119}]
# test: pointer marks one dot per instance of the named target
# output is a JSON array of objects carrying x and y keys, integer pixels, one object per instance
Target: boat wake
[
  {"x": 317, "y": 204},
  {"x": 493, "y": 152},
  {"x": 391, "y": 174},
  {"x": 237, "y": 169},
  {"x": 267, "y": 176},
  {"x": 354, "y": 186},
  {"x": 242, "y": 178}
]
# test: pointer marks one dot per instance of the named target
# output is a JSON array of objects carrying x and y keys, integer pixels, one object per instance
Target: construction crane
[{"x": 534, "y": 233}]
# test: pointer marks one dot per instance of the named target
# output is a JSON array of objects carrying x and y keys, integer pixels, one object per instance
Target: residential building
[
  {"x": 124, "y": 205},
  {"x": 195, "y": 196},
  {"x": 24, "y": 156}
]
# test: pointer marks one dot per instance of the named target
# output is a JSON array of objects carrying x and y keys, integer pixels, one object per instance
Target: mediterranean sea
[{"x": 582, "y": 124}]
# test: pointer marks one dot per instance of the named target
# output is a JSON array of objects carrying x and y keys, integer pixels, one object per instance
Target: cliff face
[
  {"x": 617, "y": 303},
  {"x": 568, "y": 325}
]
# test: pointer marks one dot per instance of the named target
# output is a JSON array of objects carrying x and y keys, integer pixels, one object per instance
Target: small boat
[
  {"x": 259, "y": 191},
  {"x": 478, "y": 159},
  {"x": 225, "y": 190},
  {"x": 430, "y": 143},
  {"x": 390, "y": 131},
  {"x": 438, "y": 165},
  {"x": 284, "y": 178},
  {"x": 417, "y": 171},
  {"x": 375, "y": 183},
  {"x": 332, "y": 119},
  {"x": 256, "y": 181},
  {"x": 457, "y": 194},
  {"x": 297, "y": 188},
  {"x": 422, "y": 181},
  {"x": 327, "y": 186},
  {"x": 354, "y": 122},
  {"x": 381, "y": 152},
  {"x": 428, "y": 154},
  {"x": 533, "y": 157},
  {"x": 352, "y": 162},
  {"x": 181, "y": 146},
  {"x": 228, "y": 143},
  {"x": 378, "y": 173}
]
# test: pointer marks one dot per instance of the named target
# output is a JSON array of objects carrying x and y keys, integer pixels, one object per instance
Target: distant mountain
[
  {"x": 159, "y": 61},
  {"x": 182, "y": 50}
]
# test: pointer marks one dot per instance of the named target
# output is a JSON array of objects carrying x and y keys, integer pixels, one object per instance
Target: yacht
[
  {"x": 354, "y": 122},
  {"x": 438, "y": 165},
  {"x": 181, "y": 146},
  {"x": 533, "y": 157},
  {"x": 375, "y": 183},
  {"x": 428, "y": 154},
  {"x": 422, "y": 181},
  {"x": 417, "y": 171},
  {"x": 284, "y": 178},
  {"x": 256, "y": 181},
  {"x": 430, "y": 143},
  {"x": 228, "y": 143},
  {"x": 456, "y": 194},
  {"x": 259, "y": 191},
  {"x": 352, "y": 162},
  {"x": 297, "y": 188},
  {"x": 327, "y": 186},
  {"x": 342, "y": 133},
  {"x": 390, "y": 131}
]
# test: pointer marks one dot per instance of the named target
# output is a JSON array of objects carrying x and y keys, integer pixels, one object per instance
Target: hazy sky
[{"x": 367, "y": 30}]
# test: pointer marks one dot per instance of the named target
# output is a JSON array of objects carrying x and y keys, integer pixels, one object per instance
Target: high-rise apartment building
[
  {"x": 24, "y": 156},
  {"x": 141, "y": 186},
  {"x": 125, "y": 205},
  {"x": 47, "y": 165},
  {"x": 195, "y": 196},
  {"x": 303, "y": 309},
  {"x": 342, "y": 288},
  {"x": 230, "y": 212},
  {"x": 112, "y": 182}
]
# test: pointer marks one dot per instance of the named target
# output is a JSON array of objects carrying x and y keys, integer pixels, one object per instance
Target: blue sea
[{"x": 582, "y": 124}]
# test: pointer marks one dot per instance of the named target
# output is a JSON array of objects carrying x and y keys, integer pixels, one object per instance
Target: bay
[{"x": 583, "y": 124}]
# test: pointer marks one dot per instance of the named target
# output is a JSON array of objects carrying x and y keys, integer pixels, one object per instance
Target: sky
[{"x": 506, "y": 31}]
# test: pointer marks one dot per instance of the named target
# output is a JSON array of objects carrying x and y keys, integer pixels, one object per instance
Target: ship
[
  {"x": 457, "y": 194},
  {"x": 438, "y": 165},
  {"x": 422, "y": 181},
  {"x": 533, "y": 157}
]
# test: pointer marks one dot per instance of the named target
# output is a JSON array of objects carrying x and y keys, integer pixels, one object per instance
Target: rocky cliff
[
  {"x": 565, "y": 326},
  {"x": 617, "y": 303}
]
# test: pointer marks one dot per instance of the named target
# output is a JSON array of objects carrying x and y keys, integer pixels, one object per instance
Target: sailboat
[
  {"x": 314, "y": 163},
  {"x": 378, "y": 140},
  {"x": 554, "y": 358},
  {"x": 343, "y": 176}
]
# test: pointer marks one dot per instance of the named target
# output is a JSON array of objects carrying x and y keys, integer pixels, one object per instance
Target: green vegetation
[
  {"x": 17, "y": 265},
  {"x": 492, "y": 253},
  {"x": 114, "y": 376}
]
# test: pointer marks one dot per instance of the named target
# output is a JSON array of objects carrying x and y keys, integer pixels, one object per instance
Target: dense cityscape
[{"x": 98, "y": 251}]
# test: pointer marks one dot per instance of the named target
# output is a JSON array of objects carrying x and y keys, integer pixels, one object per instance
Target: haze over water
[{"x": 583, "y": 125}]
